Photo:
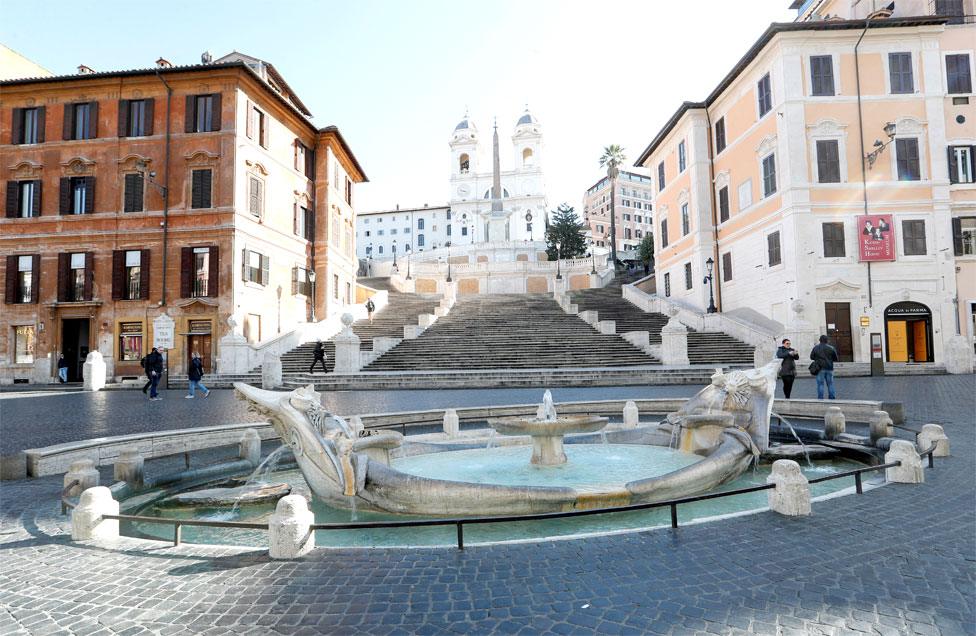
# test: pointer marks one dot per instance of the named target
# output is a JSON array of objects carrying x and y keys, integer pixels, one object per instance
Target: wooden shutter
[
  {"x": 68, "y": 124},
  {"x": 186, "y": 272},
  {"x": 123, "y": 118},
  {"x": 265, "y": 269},
  {"x": 118, "y": 274},
  {"x": 13, "y": 199},
  {"x": 16, "y": 127},
  {"x": 310, "y": 163},
  {"x": 89, "y": 274},
  {"x": 41, "y": 123},
  {"x": 215, "y": 115},
  {"x": 148, "y": 115},
  {"x": 249, "y": 121},
  {"x": 294, "y": 220},
  {"x": 310, "y": 222},
  {"x": 64, "y": 267},
  {"x": 953, "y": 165},
  {"x": 10, "y": 289},
  {"x": 89, "y": 194},
  {"x": 144, "y": 275},
  {"x": 36, "y": 278},
  {"x": 265, "y": 129},
  {"x": 214, "y": 274},
  {"x": 133, "y": 195},
  {"x": 957, "y": 236},
  {"x": 195, "y": 189},
  {"x": 92, "y": 120},
  {"x": 244, "y": 266},
  {"x": 36, "y": 203},
  {"x": 190, "y": 115},
  {"x": 64, "y": 196}
]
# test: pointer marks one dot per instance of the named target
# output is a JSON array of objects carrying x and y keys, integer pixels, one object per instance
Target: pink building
[{"x": 633, "y": 209}]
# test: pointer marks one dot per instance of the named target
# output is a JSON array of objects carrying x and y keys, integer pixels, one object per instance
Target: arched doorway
[{"x": 908, "y": 332}]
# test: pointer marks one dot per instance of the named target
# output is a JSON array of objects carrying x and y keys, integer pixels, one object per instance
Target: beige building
[
  {"x": 829, "y": 179},
  {"x": 633, "y": 204},
  {"x": 13, "y": 65}
]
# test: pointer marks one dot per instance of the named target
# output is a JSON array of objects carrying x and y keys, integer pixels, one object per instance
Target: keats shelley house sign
[{"x": 876, "y": 237}]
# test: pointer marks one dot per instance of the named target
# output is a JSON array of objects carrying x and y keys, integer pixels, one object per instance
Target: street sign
[
  {"x": 164, "y": 332},
  {"x": 865, "y": 321}
]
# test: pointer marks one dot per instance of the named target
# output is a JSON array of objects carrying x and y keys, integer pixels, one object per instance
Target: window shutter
[
  {"x": 310, "y": 223},
  {"x": 206, "y": 189},
  {"x": 144, "y": 275},
  {"x": 16, "y": 126},
  {"x": 93, "y": 120},
  {"x": 41, "y": 123},
  {"x": 244, "y": 265},
  {"x": 89, "y": 194},
  {"x": 294, "y": 148},
  {"x": 148, "y": 115},
  {"x": 123, "y": 118},
  {"x": 249, "y": 121},
  {"x": 214, "y": 273},
  {"x": 310, "y": 163},
  {"x": 264, "y": 130},
  {"x": 190, "y": 114},
  {"x": 13, "y": 196},
  {"x": 294, "y": 219},
  {"x": 216, "y": 112},
  {"x": 953, "y": 166},
  {"x": 10, "y": 290},
  {"x": 186, "y": 272},
  {"x": 64, "y": 264},
  {"x": 89, "y": 274},
  {"x": 68, "y": 125},
  {"x": 195, "y": 183},
  {"x": 118, "y": 274},
  {"x": 36, "y": 279},
  {"x": 957, "y": 236},
  {"x": 294, "y": 281},
  {"x": 64, "y": 196},
  {"x": 36, "y": 203},
  {"x": 265, "y": 267}
]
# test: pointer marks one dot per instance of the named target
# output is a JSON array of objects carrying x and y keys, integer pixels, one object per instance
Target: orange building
[{"x": 203, "y": 192}]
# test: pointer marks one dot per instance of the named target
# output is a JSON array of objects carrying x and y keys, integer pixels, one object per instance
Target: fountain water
[
  {"x": 266, "y": 467},
  {"x": 799, "y": 441}
]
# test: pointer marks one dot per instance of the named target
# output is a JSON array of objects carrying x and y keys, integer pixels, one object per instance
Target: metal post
[
  {"x": 857, "y": 483},
  {"x": 186, "y": 459},
  {"x": 932, "y": 459},
  {"x": 177, "y": 534},
  {"x": 460, "y": 535},
  {"x": 674, "y": 515}
]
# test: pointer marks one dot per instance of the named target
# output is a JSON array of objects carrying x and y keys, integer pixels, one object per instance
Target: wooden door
[
  {"x": 897, "y": 341},
  {"x": 202, "y": 345},
  {"x": 920, "y": 344},
  {"x": 839, "y": 329}
]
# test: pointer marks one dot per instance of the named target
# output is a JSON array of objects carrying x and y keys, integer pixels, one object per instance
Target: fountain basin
[
  {"x": 547, "y": 435},
  {"x": 240, "y": 495}
]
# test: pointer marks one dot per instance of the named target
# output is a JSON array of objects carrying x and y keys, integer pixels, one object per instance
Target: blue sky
[{"x": 397, "y": 76}]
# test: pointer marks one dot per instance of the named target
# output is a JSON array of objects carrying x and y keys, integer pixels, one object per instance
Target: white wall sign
[{"x": 164, "y": 332}]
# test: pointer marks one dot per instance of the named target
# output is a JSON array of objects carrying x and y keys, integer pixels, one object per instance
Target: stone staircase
[
  {"x": 703, "y": 348},
  {"x": 509, "y": 331}
]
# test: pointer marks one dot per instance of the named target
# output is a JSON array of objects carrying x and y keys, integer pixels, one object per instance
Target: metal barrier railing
[{"x": 460, "y": 522}]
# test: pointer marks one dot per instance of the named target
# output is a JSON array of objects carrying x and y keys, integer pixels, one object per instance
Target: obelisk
[{"x": 498, "y": 220}]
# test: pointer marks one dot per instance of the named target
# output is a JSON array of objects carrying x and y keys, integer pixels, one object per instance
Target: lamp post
[
  {"x": 559, "y": 275},
  {"x": 395, "y": 268},
  {"x": 311, "y": 280},
  {"x": 448, "y": 263},
  {"x": 709, "y": 264},
  {"x": 279, "y": 308},
  {"x": 593, "y": 254},
  {"x": 408, "y": 263}
]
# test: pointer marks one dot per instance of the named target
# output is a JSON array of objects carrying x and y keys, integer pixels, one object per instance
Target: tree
[
  {"x": 613, "y": 157},
  {"x": 646, "y": 250},
  {"x": 566, "y": 229}
]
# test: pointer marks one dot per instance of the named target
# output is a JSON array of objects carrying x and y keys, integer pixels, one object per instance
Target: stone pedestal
[
  {"x": 451, "y": 423},
  {"x": 347, "y": 356},
  {"x": 958, "y": 355},
  {"x": 674, "y": 343},
  {"x": 607, "y": 327},
  {"x": 880, "y": 426},
  {"x": 249, "y": 448},
  {"x": 791, "y": 497},
  {"x": 450, "y": 293},
  {"x": 94, "y": 371},
  {"x": 271, "y": 372},
  {"x": 589, "y": 316},
  {"x": 289, "y": 533},
  {"x": 426, "y": 320},
  {"x": 86, "y": 519},
  {"x": 129, "y": 467},
  {"x": 85, "y": 473},
  {"x": 763, "y": 354},
  {"x": 911, "y": 470},
  {"x": 235, "y": 354},
  {"x": 631, "y": 414},
  {"x": 834, "y": 422},
  {"x": 933, "y": 434}
]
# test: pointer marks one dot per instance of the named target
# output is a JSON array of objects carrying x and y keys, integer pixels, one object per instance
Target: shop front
[{"x": 908, "y": 332}]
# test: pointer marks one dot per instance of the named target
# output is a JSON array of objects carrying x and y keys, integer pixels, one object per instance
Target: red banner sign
[{"x": 876, "y": 237}]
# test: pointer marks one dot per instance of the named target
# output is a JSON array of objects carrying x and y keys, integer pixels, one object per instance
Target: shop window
[
  {"x": 130, "y": 341},
  {"x": 24, "y": 344}
]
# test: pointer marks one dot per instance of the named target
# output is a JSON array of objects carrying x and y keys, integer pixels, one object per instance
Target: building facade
[
  {"x": 383, "y": 233},
  {"x": 634, "y": 210},
  {"x": 828, "y": 179},
  {"x": 202, "y": 192}
]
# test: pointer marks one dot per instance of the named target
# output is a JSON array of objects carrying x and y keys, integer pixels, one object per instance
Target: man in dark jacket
[
  {"x": 825, "y": 356},
  {"x": 319, "y": 357},
  {"x": 787, "y": 370},
  {"x": 154, "y": 371},
  {"x": 194, "y": 374},
  {"x": 62, "y": 368}
]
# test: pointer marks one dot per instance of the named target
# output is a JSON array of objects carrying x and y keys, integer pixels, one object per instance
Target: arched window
[
  {"x": 464, "y": 162},
  {"x": 527, "y": 157},
  {"x": 505, "y": 193}
]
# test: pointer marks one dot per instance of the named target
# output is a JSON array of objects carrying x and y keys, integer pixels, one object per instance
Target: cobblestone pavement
[{"x": 897, "y": 560}]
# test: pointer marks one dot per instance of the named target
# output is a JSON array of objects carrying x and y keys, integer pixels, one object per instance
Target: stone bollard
[
  {"x": 791, "y": 497},
  {"x": 85, "y": 473},
  {"x": 451, "y": 423},
  {"x": 86, "y": 518},
  {"x": 271, "y": 372},
  {"x": 631, "y": 414},
  {"x": 933, "y": 434},
  {"x": 674, "y": 343},
  {"x": 129, "y": 467},
  {"x": 289, "y": 533},
  {"x": 347, "y": 356},
  {"x": 881, "y": 426},
  {"x": 911, "y": 470},
  {"x": 834, "y": 422},
  {"x": 94, "y": 371},
  {"x": 249, "y": 448}
]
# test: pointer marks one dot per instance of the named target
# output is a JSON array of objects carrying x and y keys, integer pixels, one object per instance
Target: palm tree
[{"x": 613, "y": 156}]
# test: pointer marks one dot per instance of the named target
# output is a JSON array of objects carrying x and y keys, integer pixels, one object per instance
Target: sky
[{"x": 396, "y": 76}]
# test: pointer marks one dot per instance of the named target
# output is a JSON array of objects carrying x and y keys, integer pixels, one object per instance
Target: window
[
  {"x": 664, "y": 233},
  {"x": 464, "y": 163},
  {"x": 626, "y": 217},
  {"x": 202, "y": 113},
  {"x": 24, "y": 344},
  {"x": 28, "y": 125},
  {"x": 257, "y": 126},
  {"x": 300, "y": 283},
  {"x": 420, "y": 240},
  {"x": 822, "y": 75},
  {"x": 958, "y": 78},
  {"x": 464, "y": 230},
  {"x": 135, "y": 117},
  {"x": 449, "y": 228},
  {"x": 80, "y": 121},
  {"x": 961, "y": 164},
  {"x": 420, "y": 224},
  {"x": 906, "y": 158},
  {"x": 688, "y": 280},
  {"x": 833, "y": 240},
  {"x": 900, "y": 73},
  {"x": 964, "y": 236},
  {"x": 393, "y": 231},
  {"x": 23, "y": 278},
  {"x": 660, "y": 176},
  {"x": 720, "y": 135},
  {"x": 256, "y": 267},
  {"x": 685, "y": 220},
  {"x": 682, "y": 159},
  {"x": 667, "y": 284},
  {"x": 951, "y": 8},
  {"x": 727, "y": 267},
  {"x": 132, "y": 197},
  {"x": 723, "y": 204},
  {"x": 76, "y": 277},
  {"x": 132, "y": 275},
  {"x": 381, "y": 249},
  {"x": 769, "y": 175},
  {"x": 335, "y": 286},
  {"x": 745, "y": 194},
  {"x": 349, "y": 191},
  {"x": 201, "y": 188},
  {"x": 627, "y": 233},
  {"x": 304, "y": 160},
  {"x": 130, "y": 341},
  {"x": 828, "y": 161},
  {"x": 77, "y": 195},
  {"x": 914, "y": 237},
  {"x": 256, "y": 197},
  {"x": 201, "y": 272},
  {"x": 23, "y": 199},
  {"x": 773, "y": 249},
  {"x": 305, "y": 223},
  {"x": 764, "y": 95}
]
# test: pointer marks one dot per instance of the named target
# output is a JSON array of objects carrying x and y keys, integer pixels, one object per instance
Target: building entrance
[
  {"x": 198, "y": 340},
  {"x": 74, "y": 346},
  {"x": 839, "y": 329},
  {"x": 908, "y": 330}
]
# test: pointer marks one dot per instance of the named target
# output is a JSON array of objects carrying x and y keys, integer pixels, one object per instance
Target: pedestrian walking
[
  {"x": 154, "y": 371},
  {"x": 370, "y": 308},
  {"x": 195, "y": 375},
  {"x": 824, "y": 356},
  {"x": 319, "y": 356},
  {"x": 142, "y": 363},
  {"x": 787, "y": 370},
  {"x": 62, "y": 368}
]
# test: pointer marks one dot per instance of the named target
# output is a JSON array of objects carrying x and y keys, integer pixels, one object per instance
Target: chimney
[
  {"x": 206, "y": 58},
  {"x": 398, "y": 206},
  {"x": 425, "y": 205},
  {"x": 163, "y": 63},
  {"x": 85, "y": 70}
]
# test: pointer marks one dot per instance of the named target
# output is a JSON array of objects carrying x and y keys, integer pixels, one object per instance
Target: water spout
[
  {"x": 266, "y": 467},
  {"x": 797, "y": 437},
  {"x": 548, "y": 410}
]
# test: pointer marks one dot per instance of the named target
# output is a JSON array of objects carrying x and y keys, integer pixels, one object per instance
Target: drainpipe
[
  {"x": 169, "y": 99},
  {"x": 716, "y": 277},
  {"x": 860, "y": 138}
]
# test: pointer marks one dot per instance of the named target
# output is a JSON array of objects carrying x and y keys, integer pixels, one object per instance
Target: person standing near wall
[
  {"x": 62, "y": 368},
  {"x": 824, "y": 356},
  {"x": 154, "y": 371},
  {"x": 787, "y": 370}
]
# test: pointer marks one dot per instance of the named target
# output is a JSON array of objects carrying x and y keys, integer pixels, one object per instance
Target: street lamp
[
  {"x": 889, "y": 130},
  {"x": 448, "y": 262},
  {"x": 395, "y": 268},
  {"x": 408, "y": 263},
  {"x": 593, "y": 254},
  {"x": 559, "y": 275},
  {"x": 709, "y": 264},
  {"x": 279, "y": 308},
  {"x": 311, "y": 280}
]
